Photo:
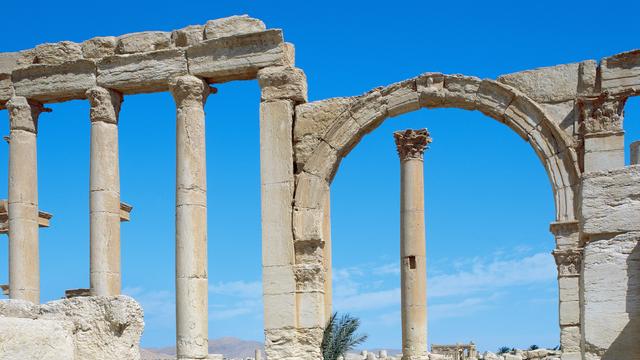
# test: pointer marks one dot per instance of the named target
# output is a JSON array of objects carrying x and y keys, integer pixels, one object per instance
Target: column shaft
[
  {"x": 104, "y": 195},
  {"x": 24, "y": 257},
  {"x": 190, "y": 94},
  {"x": 327, "y": 256},
  {"x": 411, "y": 145}
]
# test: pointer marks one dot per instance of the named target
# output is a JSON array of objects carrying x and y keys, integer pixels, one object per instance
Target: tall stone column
[
  {"x": 411, "y": 145},
  {"x": 24, "y": 257},
  {"x": 104, "y": 198},
  {"x": 190, "y": 94}
]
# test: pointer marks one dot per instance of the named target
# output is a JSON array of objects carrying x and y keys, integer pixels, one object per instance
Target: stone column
[
  {"x": 326, "y": 236},
  {"x": 281, "y": 89},
  {"x": 104, "y": 198},
  {"x": 635, "y": 153},
  {"x": 190, "y": 94},
  {"x": 24, "y": 257},
  {"x": 411, "y": 145},
  {"x": 569, "y": 262},
  {"x": 568, "y": 256}
]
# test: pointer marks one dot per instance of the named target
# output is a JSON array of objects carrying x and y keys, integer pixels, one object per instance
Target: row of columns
[{"x": 190, "y": 94}]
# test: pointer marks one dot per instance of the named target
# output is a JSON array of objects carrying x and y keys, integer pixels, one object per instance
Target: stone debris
[{"x": 106, "y": 328}]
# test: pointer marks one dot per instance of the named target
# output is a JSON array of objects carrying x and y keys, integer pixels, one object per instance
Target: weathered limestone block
[
  {"x": 324, "y": 162},
  {"x": 141, "y": 73},
  {"x": 237, "y": 57},
  {"x": 54, "y": 83},
  {"x": 279, "y": 280},
  {"x": 233, "y": 25},
  {"x": 106, "y": 328},
  {"x": 8, "y": 61},
  {"x": 283, "y": 82},
  {"x": 343, "y": 135},
  {"x": 587, "y": 77},
  {"x": 611, "y": 277},
  {"x": 58, "y": 53},
  {"x": 611, "y": 201},
  {"x": 187, "y": 36},
  {"x": 99, "y": 47},
  {"x": 276, "y": 120},
  {"x": 570, "y": 338},
  {"x": 566, "y": 233},
  {"x": 370, "y": 109},
  {"x": 277, "y": 242},
  {"x": 6, "y": 88},
  {"x": 280, "y": 311},
  {"x": 280, "y": 343},
  {"x": 563, "y": 114},
  {"x": 312, "y": 121},
  {"x": 523, "y": 117},
  {"x": 143, "y": 42},
  {"x": 310, "y": 191},
  {"x": 621, "y": 71},
  {"x": 548, "y": 84},
  {"x": 311, "y": 310},
  {"x": 461, "y": 91},
  {"x": 401, "y": 98},
  {"x": 307, "y": 224},
  {"x": 494, "y": 98},
  {"x": 430, "y": 86},
  {"x": 25, "y": 338}
]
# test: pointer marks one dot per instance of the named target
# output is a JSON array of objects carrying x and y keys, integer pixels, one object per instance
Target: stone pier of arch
[{"x": 571, "y": 115}]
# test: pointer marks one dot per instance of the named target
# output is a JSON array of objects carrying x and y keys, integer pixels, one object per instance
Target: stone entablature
[{"x": 226, "y": 49}]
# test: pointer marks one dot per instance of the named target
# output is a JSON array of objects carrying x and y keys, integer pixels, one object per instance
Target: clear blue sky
[{"x": 489, "y": 203}]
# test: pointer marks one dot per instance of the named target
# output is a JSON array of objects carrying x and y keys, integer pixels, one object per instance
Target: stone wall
[
  {"x": 82, "y": 328},
  {"x": 611, "y": 264}
]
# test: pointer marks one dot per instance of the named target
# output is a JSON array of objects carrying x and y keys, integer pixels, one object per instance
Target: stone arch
[
  {"x": 554, "y": 147},
  {"x": 361, "y": 115}
]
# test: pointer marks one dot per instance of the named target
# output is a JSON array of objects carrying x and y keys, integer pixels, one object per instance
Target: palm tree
[
  {"x": 534, "y": 347},
  {"x": 503, "y": 350},
  {"x": 340, "y": 336}
]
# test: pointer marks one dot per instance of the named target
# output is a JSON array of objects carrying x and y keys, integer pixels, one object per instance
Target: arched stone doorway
[{"x": 326, "y": 131}]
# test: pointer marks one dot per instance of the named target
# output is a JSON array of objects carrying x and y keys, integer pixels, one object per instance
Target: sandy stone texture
[
  {"x": 610, "y": 199},
  {"x": 82, "y": 328},
  {"x": 233, "y": 25}
]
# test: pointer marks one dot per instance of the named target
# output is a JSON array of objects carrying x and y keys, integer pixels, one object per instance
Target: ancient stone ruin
[{"x": 571, "y": 115}]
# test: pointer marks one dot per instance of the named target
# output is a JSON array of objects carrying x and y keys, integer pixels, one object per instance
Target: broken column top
[{"x": 232, "y": 48}]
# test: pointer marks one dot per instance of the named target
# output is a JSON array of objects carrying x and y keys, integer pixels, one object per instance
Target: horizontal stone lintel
[
  {"x": 44, "y": 218},
  {"x": 236, "y": 57}
]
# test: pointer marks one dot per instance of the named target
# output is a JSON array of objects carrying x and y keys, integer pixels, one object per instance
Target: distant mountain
[{"x": 230, "y": 347}]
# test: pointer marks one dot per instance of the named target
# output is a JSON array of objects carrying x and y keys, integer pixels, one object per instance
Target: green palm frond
[{"x": 340, "y": 336}]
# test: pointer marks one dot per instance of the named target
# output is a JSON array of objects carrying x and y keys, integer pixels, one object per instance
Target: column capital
[
  {"x": 105, "y": 104},
  {"x": 189, "y": 90},
  {"x": 603, "y": 113},
  {"x": 568, "y": 261},
  {"x": 411, "y": 144},
  {"x": 23, "y": 114}
]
